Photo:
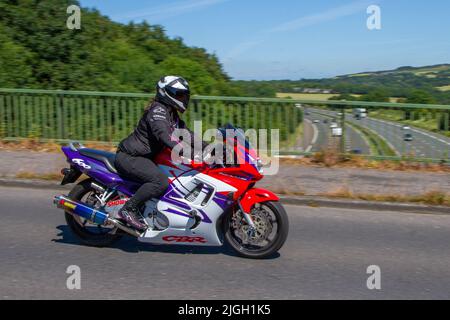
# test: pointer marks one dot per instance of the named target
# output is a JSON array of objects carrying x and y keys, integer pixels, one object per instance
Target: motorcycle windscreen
[{"x": 242, "y": 151}]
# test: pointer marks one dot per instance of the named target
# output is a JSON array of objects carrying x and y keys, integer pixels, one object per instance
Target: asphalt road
[
  {"x": 353, "y": 140},
  {"x": 323, "y": 139},
  {"x": 326, "y": 257},
  {"x": 425, "y": 144}
]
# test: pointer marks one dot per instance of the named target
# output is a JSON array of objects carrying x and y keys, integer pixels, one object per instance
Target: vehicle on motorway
[
  {"x": 359, "y": 113},
  {"x": 408, "y": 137},
  {"x": 356, "y": 151},
  {"x": 205, "y": 204},
  {"x": 325, "y": 121},
  {"x": 316, "y": 121},
  {"x": 333, "y": 125},
  {"x": 406, "y": 127},
  {"x": 336, "y": 132}
]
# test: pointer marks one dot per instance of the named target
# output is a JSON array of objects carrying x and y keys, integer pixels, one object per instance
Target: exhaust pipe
[
  {"x": 81, "y": 210},
  {"x": 94, "y": 215}
]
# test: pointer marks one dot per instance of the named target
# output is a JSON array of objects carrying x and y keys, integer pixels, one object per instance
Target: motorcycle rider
[{"x": 135, "y": 153}]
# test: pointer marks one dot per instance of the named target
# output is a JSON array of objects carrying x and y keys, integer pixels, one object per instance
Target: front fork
[
  {"x": 248, "y": 219},
  {"x": 251, "y": 198}
]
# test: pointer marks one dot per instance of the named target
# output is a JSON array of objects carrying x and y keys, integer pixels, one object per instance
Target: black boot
[{"x": 130, "y": 214}]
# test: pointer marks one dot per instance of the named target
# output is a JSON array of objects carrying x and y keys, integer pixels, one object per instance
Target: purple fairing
[
  {"x": 172, "y": 195},
  {"x": 98, "y": 171},
  {"x": 204, "y": 218},
  {"x": 222, "y": 201}
]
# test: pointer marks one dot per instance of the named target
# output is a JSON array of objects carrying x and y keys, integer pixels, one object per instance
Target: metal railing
[
  {"x": 109, "y": 116},
  {"x": 386, "y": 131}
]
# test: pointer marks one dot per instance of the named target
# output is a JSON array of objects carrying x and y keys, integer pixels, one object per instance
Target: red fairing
[
  {"x": 165, "y": 158},
  {"x": 253, "y": 196}
]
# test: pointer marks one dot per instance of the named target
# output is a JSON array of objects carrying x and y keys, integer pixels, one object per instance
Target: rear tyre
[
  {"x": 272, "y": 224},
  {"x": 89, "y": 233}
]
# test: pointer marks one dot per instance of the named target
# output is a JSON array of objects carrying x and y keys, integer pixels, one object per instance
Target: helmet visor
[{"x": 181, "y": 95}]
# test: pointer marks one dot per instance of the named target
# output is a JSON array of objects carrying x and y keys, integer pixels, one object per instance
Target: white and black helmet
[{"x": 173, "y": 91}]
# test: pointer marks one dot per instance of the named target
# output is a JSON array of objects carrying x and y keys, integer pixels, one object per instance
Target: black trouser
[{"x": 143, "y": 170}]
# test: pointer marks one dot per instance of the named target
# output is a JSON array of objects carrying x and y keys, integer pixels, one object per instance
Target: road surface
[
  {"x": 353, "y": 140},
  {"x": 322, "y": 140},
  {"x": 326, "y": 257},
  {"x": 425, "y": 144}
]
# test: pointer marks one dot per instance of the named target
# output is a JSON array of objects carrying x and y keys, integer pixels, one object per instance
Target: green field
[
  {"x": 444, "y": 88},
  {"x": 309, "y": 96}
]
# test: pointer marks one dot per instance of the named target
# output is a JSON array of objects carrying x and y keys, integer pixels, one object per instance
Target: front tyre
[
  {"x": 87, "y": 232},
  {"x": 271, "y": 230}
]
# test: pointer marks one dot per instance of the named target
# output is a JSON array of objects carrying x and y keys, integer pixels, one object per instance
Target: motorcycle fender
[
  {"x": 253, "y": 196},
  {"x": 70, "y": 175}
]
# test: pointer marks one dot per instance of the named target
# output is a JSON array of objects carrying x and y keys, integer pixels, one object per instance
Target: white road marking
[
  {"x": 315, "y": 136},
  {"x": 415, "y": 130}
]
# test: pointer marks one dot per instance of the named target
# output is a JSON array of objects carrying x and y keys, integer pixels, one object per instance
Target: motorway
[
  {"x": 425, "y": 144},
  {"x": 325, "y": 257},
  {"x": 353, "y": 139}
]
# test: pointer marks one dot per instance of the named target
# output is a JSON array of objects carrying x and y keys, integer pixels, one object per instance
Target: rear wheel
[
  {"x": 88, "y": 232},
  {"x": 271, "y": 230}
]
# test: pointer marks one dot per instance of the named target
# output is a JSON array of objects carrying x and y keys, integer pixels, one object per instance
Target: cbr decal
[{"x": 184, "y": 239}]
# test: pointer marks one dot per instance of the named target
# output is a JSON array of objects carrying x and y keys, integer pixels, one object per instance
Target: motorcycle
[{"x": 205, "y": 205}]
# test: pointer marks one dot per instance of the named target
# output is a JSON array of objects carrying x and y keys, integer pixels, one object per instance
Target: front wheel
[{"x": 271, "y": 230}]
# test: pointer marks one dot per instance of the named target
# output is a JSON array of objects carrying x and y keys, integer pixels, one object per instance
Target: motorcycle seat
[{"x": 107, "y": 158}]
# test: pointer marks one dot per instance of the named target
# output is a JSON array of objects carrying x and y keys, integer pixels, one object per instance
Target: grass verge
[
  {"x": 332, "y": 159},
  {"x": 47, "y": 146},
  {"x": 434, "y": 197},
  {"x": 33, "y": 176},
  {"x": 293, "y": 138},
  {"x": 378, "y": 145}
]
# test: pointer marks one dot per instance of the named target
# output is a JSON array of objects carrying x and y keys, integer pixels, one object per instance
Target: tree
[
  {"x": 37, "y": 50},
  {"x": 15, "y": 63},
  {"x": 376, "y": 95},
  {"x": 420, "y": 97}
]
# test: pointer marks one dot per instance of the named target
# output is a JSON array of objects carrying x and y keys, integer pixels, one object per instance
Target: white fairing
[{"x": 175, "y": 209}]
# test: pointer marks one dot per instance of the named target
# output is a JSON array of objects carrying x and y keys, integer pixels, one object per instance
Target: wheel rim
[{"x": 267, "y": 228}]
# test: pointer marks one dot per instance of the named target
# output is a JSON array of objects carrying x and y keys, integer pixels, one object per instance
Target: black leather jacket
[{"x": 154, "y": 132}]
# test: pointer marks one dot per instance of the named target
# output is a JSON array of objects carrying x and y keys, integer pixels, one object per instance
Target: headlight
[{"x": 259, "y": 166}]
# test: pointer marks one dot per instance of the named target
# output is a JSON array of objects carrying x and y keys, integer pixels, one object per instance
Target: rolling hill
[{"x": 403, "y": 82}]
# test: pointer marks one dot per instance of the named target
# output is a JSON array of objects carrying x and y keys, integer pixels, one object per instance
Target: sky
[{"x": 298, "y": 39}]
